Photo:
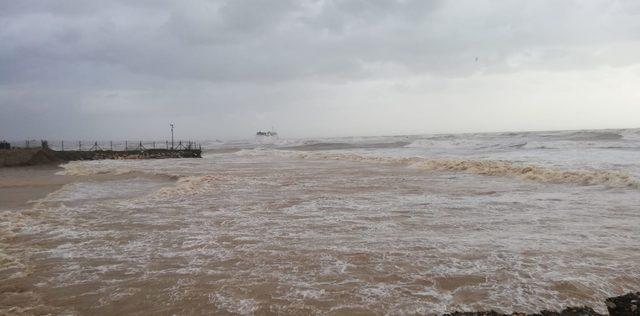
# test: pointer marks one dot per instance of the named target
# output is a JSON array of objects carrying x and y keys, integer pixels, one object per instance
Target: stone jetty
[{"x": 39, "y": 156}]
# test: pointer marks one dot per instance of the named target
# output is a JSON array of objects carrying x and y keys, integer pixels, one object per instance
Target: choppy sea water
[{"x": 375, "y": 225}]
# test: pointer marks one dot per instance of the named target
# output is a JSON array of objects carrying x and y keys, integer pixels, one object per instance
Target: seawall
[{"x": 41, "y": 156}]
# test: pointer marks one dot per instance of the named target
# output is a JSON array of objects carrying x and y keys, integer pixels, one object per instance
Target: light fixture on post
[{"x": 171, "y": 124}]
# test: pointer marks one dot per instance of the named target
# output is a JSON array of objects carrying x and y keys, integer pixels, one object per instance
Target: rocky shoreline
[{"x": 625, "y": 305}]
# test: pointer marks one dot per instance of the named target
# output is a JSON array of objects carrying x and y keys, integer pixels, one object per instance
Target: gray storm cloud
[{"x": 221, "y": 69}]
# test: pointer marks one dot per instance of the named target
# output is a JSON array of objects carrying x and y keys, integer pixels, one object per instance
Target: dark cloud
[{"x": 263, "y": 59}]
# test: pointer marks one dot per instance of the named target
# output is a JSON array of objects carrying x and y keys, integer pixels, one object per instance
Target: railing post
[{"x": 62, "y": 145}]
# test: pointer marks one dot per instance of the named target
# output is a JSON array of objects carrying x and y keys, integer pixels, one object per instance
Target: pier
[{"x": 31, "y": 153}]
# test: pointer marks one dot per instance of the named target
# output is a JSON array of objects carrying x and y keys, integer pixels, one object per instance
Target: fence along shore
[{"x": 34, "y": 152}]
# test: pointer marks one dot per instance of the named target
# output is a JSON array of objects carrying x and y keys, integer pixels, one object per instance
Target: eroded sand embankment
[{"x": 26, "y": 157}]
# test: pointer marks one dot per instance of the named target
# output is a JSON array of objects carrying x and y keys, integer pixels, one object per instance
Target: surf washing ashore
[{"x": 424, "y": 224}]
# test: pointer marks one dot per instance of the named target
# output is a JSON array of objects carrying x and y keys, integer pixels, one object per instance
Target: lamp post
[{"x": 171, "y": 135}]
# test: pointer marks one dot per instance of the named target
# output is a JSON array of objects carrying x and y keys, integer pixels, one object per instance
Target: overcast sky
[{"x": 115, "y": 69}]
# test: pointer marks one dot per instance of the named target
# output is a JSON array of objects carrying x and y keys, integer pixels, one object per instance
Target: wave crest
[
  {"x": 338, "y": 145},
  {"x": 500, "y": 168},
  {"x": 594, "y": 135},
  {"x": 189, "y": 186},
  {"x": 108, "y": 172},
  {"x": 532, "y": 172}
]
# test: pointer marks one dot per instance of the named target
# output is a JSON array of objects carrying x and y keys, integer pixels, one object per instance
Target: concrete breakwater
[{"x": 40, "y": 156}]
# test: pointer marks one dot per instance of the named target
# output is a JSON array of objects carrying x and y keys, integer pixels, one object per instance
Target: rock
[
  {"x": 625, "y": 305},
  {"x": 569, "y": 311}
]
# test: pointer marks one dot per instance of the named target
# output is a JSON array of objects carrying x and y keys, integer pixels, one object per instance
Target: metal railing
[
  {"x": 31, "y": 143},
  {"x": 84, "y": 145}
]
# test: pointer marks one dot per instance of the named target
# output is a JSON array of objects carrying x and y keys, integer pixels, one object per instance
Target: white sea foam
[
  {"x": 316, "y": 230},
  {"x": 493, "y": 168},
  {"x": 190, "y": 185}
]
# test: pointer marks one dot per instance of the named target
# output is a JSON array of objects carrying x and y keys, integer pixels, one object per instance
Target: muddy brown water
[{"x": 266, "y": 234}]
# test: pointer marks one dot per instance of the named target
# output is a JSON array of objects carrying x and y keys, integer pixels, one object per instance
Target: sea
[{"x": 387, "y": 225}]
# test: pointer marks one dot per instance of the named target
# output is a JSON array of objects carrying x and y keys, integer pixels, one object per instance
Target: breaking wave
[
  {"x": 108, "y": 172},
  {"x": 588, "y": 135},
  {"x": 338, "y": 145},
  {"x": 500, "y": 168},
  {"x": 532, "y": 172},
  {"x": 189, "y": 186},
  {"x": 222, "y": 150}
]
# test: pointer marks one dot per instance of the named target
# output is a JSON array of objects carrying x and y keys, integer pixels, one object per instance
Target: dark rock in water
[
  {"x": 569, "y": 311},
  {"x": 489, "y": 313},
  {"x": 626, "y": 305},
  {"x": 572, "y": 311}
]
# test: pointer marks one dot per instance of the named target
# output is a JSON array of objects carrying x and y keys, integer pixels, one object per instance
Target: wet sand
[{"x": 20, "y": 185}]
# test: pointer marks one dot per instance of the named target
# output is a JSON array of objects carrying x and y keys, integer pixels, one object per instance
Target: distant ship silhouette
[{"x": 267, "y": 134}]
